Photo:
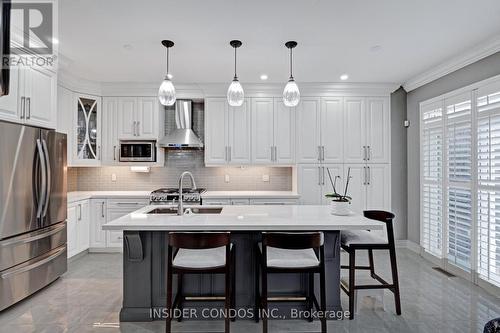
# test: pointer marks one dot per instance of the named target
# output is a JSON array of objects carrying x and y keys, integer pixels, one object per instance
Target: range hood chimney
[{"x": 182, "y": 137}]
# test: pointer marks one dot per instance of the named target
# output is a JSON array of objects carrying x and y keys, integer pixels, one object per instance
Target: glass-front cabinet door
[{"x": 87, "y": 150}]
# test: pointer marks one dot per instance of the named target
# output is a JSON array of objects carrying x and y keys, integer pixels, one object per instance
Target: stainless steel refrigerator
[{"x": 33, "y": 210}]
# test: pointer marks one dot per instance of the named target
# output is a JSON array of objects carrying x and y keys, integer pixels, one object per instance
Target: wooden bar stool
[
  {"x": 290, "y": 253},
  {"x": 196, "y": 253},
  {"x": 365, "y": 240}
]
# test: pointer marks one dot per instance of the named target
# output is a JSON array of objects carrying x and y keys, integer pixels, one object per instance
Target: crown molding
[
  {"x": 477, "y": 53},
  {"x": 76, "y": 84}
]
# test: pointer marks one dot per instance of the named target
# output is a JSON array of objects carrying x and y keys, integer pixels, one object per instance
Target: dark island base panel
[{"x": 144, "y": 279}]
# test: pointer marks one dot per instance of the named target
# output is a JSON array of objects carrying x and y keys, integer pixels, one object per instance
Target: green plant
[{"x": 335, "y": 195}]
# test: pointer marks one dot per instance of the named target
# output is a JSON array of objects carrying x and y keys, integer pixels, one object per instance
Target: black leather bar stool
[
  {"x": 351, "y": 241},
  {"x": 196, "y": 253},
  {"x": 290, "y": 253}
]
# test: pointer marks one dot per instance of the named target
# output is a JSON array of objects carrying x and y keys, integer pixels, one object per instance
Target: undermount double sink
[{"x": 200, "y": 210}]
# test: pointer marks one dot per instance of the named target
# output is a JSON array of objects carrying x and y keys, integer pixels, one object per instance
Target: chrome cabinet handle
[
  {"x": 319, "y": 175},
  {"x": 28, "y": 107},
  {"x": 369, "y": 176},
  {"x": 364, "y": 175},
  {"x": 323, "y": 176},
  {"x": 229, "y": 150},
  {"x": 323, "y": 154},
  {"x": 137, "y": 128},
  {"x": 133, "y": 128},
  {"x": 368, "y": 154},
  {"x": 364, "y": 153},
  {"x": 127, "y": 203},
  {"x": 79, "y": 212},
  {"x": 23, "y": 105},
  {"x": 114, "y": 153},
  {"x": 319, "y": 153},
  {"x": 102, "y": 209}
]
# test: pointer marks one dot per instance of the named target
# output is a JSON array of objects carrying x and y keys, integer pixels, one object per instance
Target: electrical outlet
[
  {"x": 113, "y": 177},
  {"x": 226, "y": 178},
  {"x": 265, "y": 178}
]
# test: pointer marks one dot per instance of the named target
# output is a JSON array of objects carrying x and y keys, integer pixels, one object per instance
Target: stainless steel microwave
[{"x": 137, "y": 151}]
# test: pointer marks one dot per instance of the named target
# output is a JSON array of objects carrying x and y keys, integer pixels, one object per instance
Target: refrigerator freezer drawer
[
  {"x": 17, "y": 250},
  {"x": 23, "y": 280}
]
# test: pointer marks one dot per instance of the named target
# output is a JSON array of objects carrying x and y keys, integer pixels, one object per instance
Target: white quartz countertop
[
  {"x": 84, "y": 195},
  {"x": 245, "y": 218},
  {"x": 250, "y": 194}
]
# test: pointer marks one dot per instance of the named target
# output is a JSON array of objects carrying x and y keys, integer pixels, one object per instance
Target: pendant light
[
  {"x": 166, "y": 93},
  {"x": 235, "y": 94},
  {"x": 291, "y": 93}
]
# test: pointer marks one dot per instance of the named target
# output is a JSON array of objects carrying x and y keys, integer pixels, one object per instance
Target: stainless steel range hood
[{"x": 182, "y": 137}]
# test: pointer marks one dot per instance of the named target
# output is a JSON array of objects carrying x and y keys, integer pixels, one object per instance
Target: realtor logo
[{"x": 35, "y": 20}]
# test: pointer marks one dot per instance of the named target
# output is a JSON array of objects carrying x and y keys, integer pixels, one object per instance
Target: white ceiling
[{"x": 334, "y": 37}]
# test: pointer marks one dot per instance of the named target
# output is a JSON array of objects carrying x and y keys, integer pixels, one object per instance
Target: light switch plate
[
  {"x": 113, "y": 177},
  {"x": 226, "y": 178},
  {"x": 265, "y": 178}
]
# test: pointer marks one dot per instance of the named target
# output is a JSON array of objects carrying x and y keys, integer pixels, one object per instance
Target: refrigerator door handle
[
  {"x": 44, "y": 178},
  {"x": 49, "y": 178}
]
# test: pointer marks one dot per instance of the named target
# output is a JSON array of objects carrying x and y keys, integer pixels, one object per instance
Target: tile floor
[{"x": 88, "y": 299}]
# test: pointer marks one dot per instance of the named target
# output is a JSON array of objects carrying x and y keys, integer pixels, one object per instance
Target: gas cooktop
[{"x": 171, "y": 195}]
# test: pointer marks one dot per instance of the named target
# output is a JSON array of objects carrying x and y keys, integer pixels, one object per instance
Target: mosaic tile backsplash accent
[{"x": 213, "y": 178}]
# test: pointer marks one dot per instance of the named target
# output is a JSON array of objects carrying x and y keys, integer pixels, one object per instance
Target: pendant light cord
[
  {"x": 291, "y": 61},
  {"x": 235, "y": 77},
  {"x": 167, "y": 60}
]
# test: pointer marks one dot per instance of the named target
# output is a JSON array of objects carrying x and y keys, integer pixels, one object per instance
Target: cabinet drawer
[
  {"x": 115, "y": 238},
  {"x": 127, "y": 203},
  {"x": 273, "y": 201}
]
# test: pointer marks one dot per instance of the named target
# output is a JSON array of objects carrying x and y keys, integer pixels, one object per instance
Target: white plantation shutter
[
  {"x": 488, "y": 183},
  {"x": 432, "y": 175},
  {"x": 459, "y": 180}
]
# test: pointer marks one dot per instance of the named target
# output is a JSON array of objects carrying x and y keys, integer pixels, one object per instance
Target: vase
[{"x": 340, "y": 208}]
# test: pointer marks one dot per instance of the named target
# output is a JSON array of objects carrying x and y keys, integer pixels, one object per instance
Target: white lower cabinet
[
  {"x": 369, "y": 186},
  {"x": 314, "y": 182},
  {"x": 78, "y": 221},
  {"x": 98, "y": 218}
]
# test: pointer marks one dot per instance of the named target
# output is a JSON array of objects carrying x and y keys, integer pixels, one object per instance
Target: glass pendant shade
[
  {"x": 291, "y": 94},
  {"x": 235, "y": 94},
  {"x": 166, "y": 93}
]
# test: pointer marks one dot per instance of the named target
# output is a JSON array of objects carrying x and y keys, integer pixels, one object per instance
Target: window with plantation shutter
[
  {"x": 432, "y": 173},
  {"x": 488, "y": 183},
  {"x": 459, "y": 180}
]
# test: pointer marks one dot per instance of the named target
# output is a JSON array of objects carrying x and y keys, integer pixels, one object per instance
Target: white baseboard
[
  {"x": 408, "y": 244},
  {"x": 105, "y": 250}
]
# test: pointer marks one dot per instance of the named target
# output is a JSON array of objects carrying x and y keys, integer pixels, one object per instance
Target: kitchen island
[{"x": 145, "y": 248}]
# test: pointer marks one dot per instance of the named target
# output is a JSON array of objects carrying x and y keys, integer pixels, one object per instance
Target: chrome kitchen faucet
[{"x": 180, "y": 208}]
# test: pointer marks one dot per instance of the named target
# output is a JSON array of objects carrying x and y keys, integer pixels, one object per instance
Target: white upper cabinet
[
  {"x": 138, "y": 118},
  {"x": 227, "y": 132},
  {"x": 262, "y": 130},
  {"x": 284, "y": 133},
  {"x": 126, "y": 114},
  {"x": 332, "y": 130},
  {"x": 87, "y": 131},
  {"x": 320, "y": 130},
  {"x": 216, "y": 134},
  {"x": 32, "y": 97},
  {"x": 10, "y": 109},
  {"x": 239, "y": 134},
  {"x": 308, "y": 134},
  {"x": 40, "y": 90},
  {"x": 367, "y": 130},
  {"x": 378, "y": 139},
  {"x": 110, "y": 142},
  {"x": 147, "y": 117},
  {"x": 354, "y": 126}
]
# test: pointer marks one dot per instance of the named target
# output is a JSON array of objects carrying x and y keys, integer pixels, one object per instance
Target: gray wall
[
  {"x": 398, "y": 162},
  {"x": 475, "y": 72}
]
